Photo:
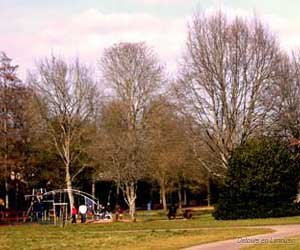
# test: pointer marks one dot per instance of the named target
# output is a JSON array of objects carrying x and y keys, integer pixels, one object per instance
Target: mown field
[{"x": 151, "y": 231}]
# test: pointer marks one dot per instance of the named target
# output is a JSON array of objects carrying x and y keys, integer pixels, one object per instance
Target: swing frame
[{"x": 62, "y": 202}]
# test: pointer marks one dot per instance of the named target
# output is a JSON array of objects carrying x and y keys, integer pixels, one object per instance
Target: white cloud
[
  {"x": 86, "y": 34},
  {"x": 162, "y": 2}
]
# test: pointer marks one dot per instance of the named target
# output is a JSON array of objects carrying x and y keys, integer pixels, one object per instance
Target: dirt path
[{"x": 280, "y": 233}]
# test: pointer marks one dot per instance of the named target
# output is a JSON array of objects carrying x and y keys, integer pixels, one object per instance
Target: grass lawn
[
  {"x": 93, "y": 237},
  {"x": 151, "y": 231}
]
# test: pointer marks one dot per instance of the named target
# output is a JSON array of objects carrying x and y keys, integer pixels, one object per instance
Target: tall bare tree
[
  {"x": 66, "y": 98},
  {"x": 227, "y": 65},
  {"x": 284, "y": 96},
  {"x": 284, "y": 99},
  {"x": 134, "y": 75},
  {"x": 168, "y": 150},
  {"x": 111, "y": 149}
]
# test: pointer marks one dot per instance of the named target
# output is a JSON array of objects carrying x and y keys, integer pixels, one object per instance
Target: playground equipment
[{"x": 54, "y": 204}]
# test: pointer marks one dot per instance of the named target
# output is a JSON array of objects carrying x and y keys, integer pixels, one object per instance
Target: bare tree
[
  {"x": 168, "y": 150},
  {"x": 284, "y": 118},
  {"x": 66, "y": 97},
  {"x": 227, "y": 65},
  {"x": 112, "y": 150},
  {"x": 134, "y": 76},
  {"x": 206, "y": 166}
]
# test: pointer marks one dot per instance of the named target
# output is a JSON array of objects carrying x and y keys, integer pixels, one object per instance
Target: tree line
[{"x": 135, "y": 122}]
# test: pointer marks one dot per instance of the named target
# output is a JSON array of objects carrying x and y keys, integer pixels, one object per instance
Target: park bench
[{"x": 184, "y": 214}]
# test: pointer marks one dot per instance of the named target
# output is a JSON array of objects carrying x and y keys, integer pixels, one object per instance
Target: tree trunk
[
  {"x": 69, "y": 187},
  {"x": 132, "y": 209},
  {"x": 117, "y": 193},
  {"x": 93, "y": 186},
  {"x": 298, "y": 194},
  {"x": 179, "y": 199},
  {"x": 6, "y": 151},
  {"x": 184, "y": 197},
  {"x": 208, "y": 192},
  {"x": 130, "y": 197},
  {"x": 163, "y": 195}
]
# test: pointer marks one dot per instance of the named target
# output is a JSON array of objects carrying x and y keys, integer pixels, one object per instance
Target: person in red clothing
[{"x": 74, "y": 213}]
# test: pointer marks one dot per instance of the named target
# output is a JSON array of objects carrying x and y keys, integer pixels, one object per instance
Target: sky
[{"x": 33, "y": 29}]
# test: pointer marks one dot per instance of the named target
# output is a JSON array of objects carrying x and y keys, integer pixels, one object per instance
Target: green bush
[{"x": 262, "y": 181}]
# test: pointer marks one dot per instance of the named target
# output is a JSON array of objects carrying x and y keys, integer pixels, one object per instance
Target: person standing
[
  {"x": 82, "y": 211},
  {"x": 74, "y": 214}
]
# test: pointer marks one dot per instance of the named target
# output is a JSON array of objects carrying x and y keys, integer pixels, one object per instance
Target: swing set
[{"x": 54, "y": 204}]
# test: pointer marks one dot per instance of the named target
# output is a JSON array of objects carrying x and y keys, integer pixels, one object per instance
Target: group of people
[
  {"x": 102, "y": 212},
  {"x": 172, "y": 213},
  {"x": 82, "y": 212}
]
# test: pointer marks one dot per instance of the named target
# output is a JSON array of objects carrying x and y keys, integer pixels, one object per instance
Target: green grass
[
  {"x": 203, "y": 219},
  {"x": 93, "y": 237},
  {"x": 151, "y": 231}
]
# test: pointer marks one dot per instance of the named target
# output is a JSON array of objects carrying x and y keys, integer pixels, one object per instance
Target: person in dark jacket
[{"x": 172, "y": 212}]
